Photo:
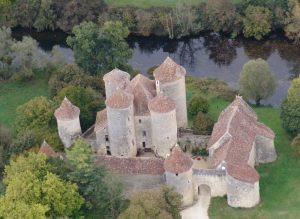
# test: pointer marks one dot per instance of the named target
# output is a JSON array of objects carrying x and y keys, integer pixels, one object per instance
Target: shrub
[
  {"x": 197, "y": 104},
  {"x": 202, "y": 124},
  {"x": 296, "y": 144},
  {"x": 200, "y": 152}
]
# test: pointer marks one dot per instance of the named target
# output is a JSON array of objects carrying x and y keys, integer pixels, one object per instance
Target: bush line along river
[{"x": 207, "y": 55}]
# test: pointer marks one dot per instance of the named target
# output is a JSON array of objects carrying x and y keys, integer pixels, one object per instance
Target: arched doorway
[{"x": 204, "y": 190}]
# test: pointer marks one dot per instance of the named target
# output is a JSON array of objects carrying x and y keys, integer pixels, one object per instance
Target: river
[{"x": 208, "y": 55}]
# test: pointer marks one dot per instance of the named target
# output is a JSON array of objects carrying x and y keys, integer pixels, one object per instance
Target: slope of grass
[
  {"x": 14, "y": 94},
  {"x": 279, "y": 181}
]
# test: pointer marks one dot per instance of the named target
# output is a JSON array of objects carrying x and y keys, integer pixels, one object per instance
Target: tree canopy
[
  {"x": 256, "y": 81},
  {"x": 100, "y": 49}
]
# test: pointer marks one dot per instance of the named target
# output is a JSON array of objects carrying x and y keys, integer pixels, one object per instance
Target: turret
[
  {"x": 179, "y": 174},
  {"x": 67, "y": 117},
  {"x": 170, "y": 79},
  {"x": 120, "y": 120},
  {"x": 47, "y": 150},
  {"x": 164, "y": 125},
  {"x": 115, "y": 80}
]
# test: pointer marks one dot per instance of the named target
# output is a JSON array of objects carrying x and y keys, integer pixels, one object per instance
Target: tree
[
  {"x": 202, "y": 123},
  {"x": 25, "y": 12},
  {"x": 5, "y": 141},
  {"x": 257, "y": 22},
  {"x": 221, "y": 15},
  {"x": 99, "y": 50},
  {"x": 43, "y": 193},
  {"x": 163, "y": 203},
  {"x": 198, "y": 103},
  {"x": 88, "y": 100},
  {"x": 103, "y": 192},
  {"x": 68, "y": 75},
  {"x": 46, "y": 17},
  {"x": 256, "y": 81},
  {"x": 290, "y": 109},
  {"x": 296, "y": 144},
  {"x": 292, "y": 27}
]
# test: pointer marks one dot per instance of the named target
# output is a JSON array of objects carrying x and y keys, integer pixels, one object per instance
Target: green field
[
  {"x": 153, "y": 3},
  {"x": 279, "y": 181},
  {"x": 14, "y": 94}
]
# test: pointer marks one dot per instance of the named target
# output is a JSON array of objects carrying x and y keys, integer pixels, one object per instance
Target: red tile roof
[
  {"x": 161, "y": 104},
  {"x": 119, "y": 99},
  {"x": 169, "y": 71},
  {"x": 47, "y": 150},
  {"x": 239, "y": 123},
  {"x": 132, "y": 166},
  {"x": 67, "y": 111},
  {"x": 242, "y": 172},
  {"x": 101, "y": 120},
  {"x": 116, "y": 75},
  {"x": 178, "y": 162}
]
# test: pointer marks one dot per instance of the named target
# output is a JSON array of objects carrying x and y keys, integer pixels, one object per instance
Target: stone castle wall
[
  {"x": 68, "y": 130},
  {"x": 176, "y": 91},
  {"x": 183, "y": 184},
  {"x": 143, "y": 132},
  {"x": 164, "y": 132},
  {"x": 242, "y": 194},
  {"x": 189, "y": 141},
  {"x": 265, "y": 150},
  {"x": 102, "y": 141},
  {"x": 112, "y": 86},
  {"x": 121, "y": 131}
]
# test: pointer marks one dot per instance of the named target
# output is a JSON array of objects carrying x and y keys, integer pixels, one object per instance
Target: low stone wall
[
  {"x": 188, "y": 140},
  {"x": 215, "y": 179}
]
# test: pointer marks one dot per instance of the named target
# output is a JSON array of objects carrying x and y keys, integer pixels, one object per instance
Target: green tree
[
  {"x": 202, "y": 123},
  {"x": 163, "y": 203},
  {"x": 198, "y": 103},
  {"x": 46, "y": 17},
  {"x": 221, "y": 15},
  {"x": 292, "y": 27},
  {"x": 103, "y": 192},
  {"x": 257, "y": 22},
  {"x": 256, "y": 81},
  {"x": 5, "y": 141},
  {"x": 25, "y": 12},
  {"x": 88, "y": 100},
  {"x": 37, "y": 190},
  {"x": 290, "y": 109},
  {"x": 296, "y": 144},
  {"x": 99, "y": 50}
]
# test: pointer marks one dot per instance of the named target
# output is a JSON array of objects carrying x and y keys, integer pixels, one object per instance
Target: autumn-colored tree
[{"x": 292, "y": 27}]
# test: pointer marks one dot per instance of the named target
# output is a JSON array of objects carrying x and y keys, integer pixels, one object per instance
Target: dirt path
[{"x": 199, "y": 210}]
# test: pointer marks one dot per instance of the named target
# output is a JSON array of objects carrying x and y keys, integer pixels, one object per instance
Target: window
[
  {"x": 176, "y": 174},
  {"x": 128, "y": 119},
  {"x": 107, "y": 147},
  {"x": 106, "y": 138},
  {"x": 108, "y": 152},
  {"x": 144, "y": 144},
  {"x": 144, "y": 133},
  {"x": 133, "y": 142},
  {"x": 140, "y": 121}
]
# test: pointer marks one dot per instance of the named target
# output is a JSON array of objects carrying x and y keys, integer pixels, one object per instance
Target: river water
[{"x": 209, "y": 55}]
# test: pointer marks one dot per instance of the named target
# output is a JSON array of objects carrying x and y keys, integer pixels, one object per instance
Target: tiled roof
[
  {"x": 67, "y": 110},
  {"x": 101, "y": 120},
  {"x": 243, "y": 173},
  {"x": 116, "y": 75},
  {"x": 132, "y": 166},
  {"x": 161, "y": 104},
  {"x": 169, "y": 71},
  {"x": 178, "y": 162},
  {"x": 143, "y": 90},
  {"x": 238, "y": 125},
  {"x": 47, "y": 150},
  {"x": 119, "y": 99}
]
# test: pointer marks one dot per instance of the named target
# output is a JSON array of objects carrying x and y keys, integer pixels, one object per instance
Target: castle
[{"x": 144, "y": 115}]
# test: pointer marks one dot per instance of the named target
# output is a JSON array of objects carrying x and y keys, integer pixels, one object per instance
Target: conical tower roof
[
  {"x": 67, "y": 111},
  {"x": 116, "y": 75},
  {"x": 119, "y": 100},
  {"x": 161, "y": 104},
  {"x": 47, "y": 150},
  {"x": 178, "y": 162}
]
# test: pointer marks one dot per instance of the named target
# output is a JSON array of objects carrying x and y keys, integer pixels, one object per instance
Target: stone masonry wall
[
  {"x": 265, "y": 150},
  {"x": 143, "y": 132},
  {"x": 68, "y": 131},
  {"x": 189, "y": 140}
]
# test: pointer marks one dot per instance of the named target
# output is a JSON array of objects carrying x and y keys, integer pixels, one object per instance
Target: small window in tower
[
  {"x": 133, "y": 142},
  {"x": 144, "y": 133},
  {"x": 140, "y": 121},
  {"x": 168, "y": 137},
  {"x": 106, "y": 138},
  {"x": 144, "y": 144},
  {"x": 108, "y": 152},
  {"x": 107, "y": 147},
  {"x": 176, "y": 174},
  {"x": 128, "y": 119}
]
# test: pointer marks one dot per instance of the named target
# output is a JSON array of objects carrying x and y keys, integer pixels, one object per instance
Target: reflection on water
[{"x": 210, "y": 55}]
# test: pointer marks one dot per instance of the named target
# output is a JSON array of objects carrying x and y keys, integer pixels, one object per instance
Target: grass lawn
[
  {"x": 279, "y": 181},
  {"x": 14, "y": 94},
  {"x": 153, "y": 3}
]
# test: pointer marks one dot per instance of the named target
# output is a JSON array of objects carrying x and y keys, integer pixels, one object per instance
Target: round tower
[
  {"x": 170, "y": 78},
  {"x": 120, "y": 120},
  {"x": 67, "y": 117},
  {"x": 164, "y": 125},
  {"x": 114, "y": 80},
  {"x": 179, "y": 174}
]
